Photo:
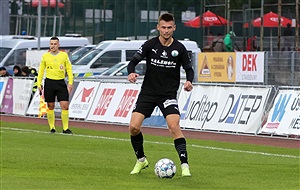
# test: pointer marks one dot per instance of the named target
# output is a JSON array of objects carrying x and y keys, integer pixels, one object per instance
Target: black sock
[
  {"x": 137, "y": 145},
  {"x": 180, "y": 145}
]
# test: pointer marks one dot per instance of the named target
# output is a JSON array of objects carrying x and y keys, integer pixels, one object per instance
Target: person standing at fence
[
  {"x": 218, "y": 43},
  {"x": 210, "y": 38},
  {"x": 228, "y": 41},
  {"x": 287, "y": 38},
  {"x": 17, "y": 71},
  {"x": 164, "y": 55},
  {"x": 57, "y": 64},
  {"x": 25, "y": 71},
  {"x": 251, "y": 43},
  {"x": 4, "y": 73}
]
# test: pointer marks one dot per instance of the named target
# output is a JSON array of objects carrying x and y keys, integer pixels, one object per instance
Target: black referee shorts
[
  {"x": 55, "y": 88},
  {"x": 145, "y": 105}
]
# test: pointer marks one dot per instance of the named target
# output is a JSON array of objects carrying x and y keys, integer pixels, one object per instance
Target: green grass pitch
[{"x": 32, "y": 158}]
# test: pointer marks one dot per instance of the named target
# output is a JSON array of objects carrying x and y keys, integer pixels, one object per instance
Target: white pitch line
[
  {"x": 246, "y": 151},
  {"x": 153, "y": 142}
]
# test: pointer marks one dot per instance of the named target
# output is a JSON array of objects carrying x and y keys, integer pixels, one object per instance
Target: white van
[
  {"x": 111, "y": 52},
  {"x": 13, "y": 48},
  {"x": 79, "y": 52}
]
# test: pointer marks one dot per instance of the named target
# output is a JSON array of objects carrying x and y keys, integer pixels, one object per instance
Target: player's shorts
[
  {"x": 55, "y": 88},
  {"x": 146, "y": 103}
]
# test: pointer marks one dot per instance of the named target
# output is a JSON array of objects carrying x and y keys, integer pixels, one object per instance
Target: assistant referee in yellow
[{"x": 57, "y": 64}]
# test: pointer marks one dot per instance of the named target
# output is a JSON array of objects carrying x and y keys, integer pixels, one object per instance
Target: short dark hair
[
  {"x": 25, "y": 69},
  {"x": 166, "y": 17},
  {"x": 17, "y": 67},
  {"x": 2, "y": 68},
  {"x": 54, "y": 38}
]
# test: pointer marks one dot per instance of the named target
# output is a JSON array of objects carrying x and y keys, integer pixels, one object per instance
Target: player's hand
[
  {"x": 132, "y": 77},
  {"x": 70, "y": 88},
  {"x": 188, "y": 86}
]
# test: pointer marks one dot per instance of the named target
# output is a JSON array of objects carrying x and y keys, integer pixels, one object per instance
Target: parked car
[
  {"x": 110, "y": 52},
  {"x": 13, "y": 48},
  {"x": 104, "y": 55},
  {"x": 120, "y": 69}
]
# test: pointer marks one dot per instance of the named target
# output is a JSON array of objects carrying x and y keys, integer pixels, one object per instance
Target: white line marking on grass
[
  {"x": 245, "y": 151},
  {"x": 155, "y": 142}
]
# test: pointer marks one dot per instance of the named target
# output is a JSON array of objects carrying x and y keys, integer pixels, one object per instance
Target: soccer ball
[{"x": 165, "y": 168}]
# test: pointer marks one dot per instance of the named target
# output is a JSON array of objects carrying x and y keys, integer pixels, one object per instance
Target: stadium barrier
[{"x": 234, "y": 108}]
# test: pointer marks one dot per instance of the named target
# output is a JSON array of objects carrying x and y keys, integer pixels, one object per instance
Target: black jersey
[{"x": 162, "y": 75}]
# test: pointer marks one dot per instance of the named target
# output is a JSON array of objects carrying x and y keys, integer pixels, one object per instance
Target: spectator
[
  {"x": 17, "y": 71},
  {"x": 3, "y": 72},
  {"x": 33, "y": 73},
  {"x": 287, "y": 38},
  {"x": 210, "y": 38},
  {"x": 228, "y": 41},
  {"x": 218, "y": 43},
  {"x": 25, "y": 71},
  {"x": 251, "y": 43}
]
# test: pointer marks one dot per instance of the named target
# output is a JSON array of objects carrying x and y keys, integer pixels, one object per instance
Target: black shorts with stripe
[
  {"x": 55, "y": 88},
  {"x": 145, "y": 104}
]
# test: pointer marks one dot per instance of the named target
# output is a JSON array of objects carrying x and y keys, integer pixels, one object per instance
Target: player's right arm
[
  {"x": 138, "y": 56},
  {"x": 41, "y": 74},
  {"x": 132, "y": 76}
]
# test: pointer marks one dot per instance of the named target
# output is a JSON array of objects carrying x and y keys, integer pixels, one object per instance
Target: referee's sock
[
  {"x": 65, "y": 119},
  {"x": 51, "y": 119}
]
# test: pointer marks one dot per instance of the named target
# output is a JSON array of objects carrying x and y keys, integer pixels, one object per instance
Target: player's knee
[
  {"x": 174, "y": 127},
  {"x": 134, "y": 129}
]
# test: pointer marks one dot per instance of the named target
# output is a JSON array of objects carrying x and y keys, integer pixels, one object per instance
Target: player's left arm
[
  {"x": 69, "y": 71},
  {"x": 188, "y": 67},
  {"x": 188, "y": 86}
]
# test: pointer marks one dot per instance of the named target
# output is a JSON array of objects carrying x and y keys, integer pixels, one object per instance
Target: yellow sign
[{"x": 216, "y": 67}]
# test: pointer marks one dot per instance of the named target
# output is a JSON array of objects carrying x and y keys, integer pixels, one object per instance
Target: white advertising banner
[
  {"x": 250, "y": 66},
  {"x": 183, "y": 101},
  {"x": 114, "y": 102},
  {"x": 22, "y": 90},
  {"x": 236, "y": 109},
  {"x": 284, "y": 117},
  {"x": 33, "y": 108},
  {"x": 82, "y": 99},
  {"x": 3, "y": 82}
]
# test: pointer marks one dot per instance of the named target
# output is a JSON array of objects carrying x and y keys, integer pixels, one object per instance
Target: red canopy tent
[
  {"x": 45, "y": 3},
  {"x": 208, "y": 19},
  {"x": 270, "y": 20}
]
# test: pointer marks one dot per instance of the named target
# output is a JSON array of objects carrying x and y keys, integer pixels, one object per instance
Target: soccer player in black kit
[{"x": 164, "y": 55}]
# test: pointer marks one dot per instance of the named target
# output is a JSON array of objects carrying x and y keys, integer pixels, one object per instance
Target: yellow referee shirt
[{"x": 56, "y": 67}]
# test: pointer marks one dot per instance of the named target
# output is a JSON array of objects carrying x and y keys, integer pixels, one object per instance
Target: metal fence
[
  {"x": 270, "y": 43},
  {"x": 282, "y": 68}
]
